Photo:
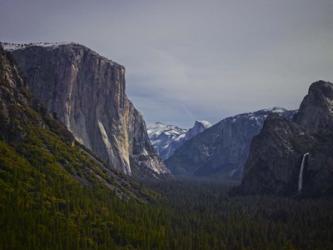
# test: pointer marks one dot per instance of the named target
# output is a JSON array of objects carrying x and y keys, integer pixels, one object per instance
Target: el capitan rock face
[
  {"x": 86, "y": 92},
  {"x": 35, "y": 148},
  {"x": 276, "y": 154}
]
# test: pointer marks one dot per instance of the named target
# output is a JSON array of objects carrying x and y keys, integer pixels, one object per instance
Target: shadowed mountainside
[
  {"x": 221, "y": 151},
  {"x": 276, "y": 154}
]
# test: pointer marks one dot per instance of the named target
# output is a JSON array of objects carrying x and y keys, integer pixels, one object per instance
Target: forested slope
[{"x": 54, "y": 193}]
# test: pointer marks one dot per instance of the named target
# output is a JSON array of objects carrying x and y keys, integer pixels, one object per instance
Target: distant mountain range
[
  {"x": 221, "y": 150},
  {"x": 167, "y": 138}
]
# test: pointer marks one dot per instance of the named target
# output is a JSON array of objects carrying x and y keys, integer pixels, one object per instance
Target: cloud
[{"x": 188, "y": 60}]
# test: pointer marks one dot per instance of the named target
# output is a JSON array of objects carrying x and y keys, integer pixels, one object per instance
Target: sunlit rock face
[
  {"x": 277, "y": 154},
  {"x": 86, "y": 92}
]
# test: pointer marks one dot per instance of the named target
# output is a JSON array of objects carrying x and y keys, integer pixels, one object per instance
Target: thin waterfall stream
[{"x": 301, "y": 170}]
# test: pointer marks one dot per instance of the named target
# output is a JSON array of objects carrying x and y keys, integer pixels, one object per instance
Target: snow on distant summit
[
  {"x": 275, "y": 110},
  {"x": 222, "y": 150},
  {"x": 167, "y": 138},
  {"x": 199, "y": 126}
]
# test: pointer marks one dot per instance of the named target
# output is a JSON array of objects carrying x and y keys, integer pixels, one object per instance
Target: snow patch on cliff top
[
  {"x": 205, "y": 124},
  {"x": 17, "y": 46}
]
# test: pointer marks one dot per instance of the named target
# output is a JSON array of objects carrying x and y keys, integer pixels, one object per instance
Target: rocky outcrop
[
  {"x": 86, "y": 92},
  {"x": 221, "y": 150},
  {"x": 198, "y": 127},
  {"x": 316, "y": 110},
  {"x": 167, "y": 138},
  {"x": 37, "y": 150},
  {"x": 276, "y": 160}
]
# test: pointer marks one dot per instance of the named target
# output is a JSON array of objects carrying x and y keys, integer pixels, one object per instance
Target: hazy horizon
[{"x": 192, "y": 60}]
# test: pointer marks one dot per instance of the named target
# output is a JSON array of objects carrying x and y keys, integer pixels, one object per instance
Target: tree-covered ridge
[
  {"x": 44, "y": 207},
  {"x": 55, "y": 194}
]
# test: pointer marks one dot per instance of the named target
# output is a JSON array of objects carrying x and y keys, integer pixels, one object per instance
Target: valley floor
[
  {"x": 202, "y": 215},
  {"x": 184, "y": 215}
]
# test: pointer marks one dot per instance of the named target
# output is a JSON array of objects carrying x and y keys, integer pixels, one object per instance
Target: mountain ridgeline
[
  {"x": 221, "y": 150},
  {"x": 167, "y": 138},
  {"x": 287, "y": 150},
  {"x": 86, "y": 92}
]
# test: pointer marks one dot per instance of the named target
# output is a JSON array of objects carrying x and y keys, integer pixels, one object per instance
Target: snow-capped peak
[
  {"x": 167, "y": 138},
  {"x": 157, "y": 128}
]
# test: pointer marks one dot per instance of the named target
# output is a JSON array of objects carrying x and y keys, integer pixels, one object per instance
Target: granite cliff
[
  {"x": 287, "y": 150},
  {"x": 221, "y": 150},
  {"x": 86, "y": 92},
  {"x": 36, "y": 149}
]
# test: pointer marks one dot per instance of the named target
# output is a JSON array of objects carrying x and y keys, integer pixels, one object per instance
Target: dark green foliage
[
  {"x": 56, "y": 212},
  {"x": 203, "y": 216},
  {"x": 43, "y": 207}
]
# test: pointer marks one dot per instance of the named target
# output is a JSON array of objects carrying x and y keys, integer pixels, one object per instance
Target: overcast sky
[{"x": 192, "y": 60}]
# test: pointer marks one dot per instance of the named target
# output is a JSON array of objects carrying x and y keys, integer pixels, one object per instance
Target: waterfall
[{"x": 301, "y": 170}]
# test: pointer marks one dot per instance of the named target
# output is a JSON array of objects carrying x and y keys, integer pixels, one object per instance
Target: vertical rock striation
[{"x": 86, "y": 92}]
